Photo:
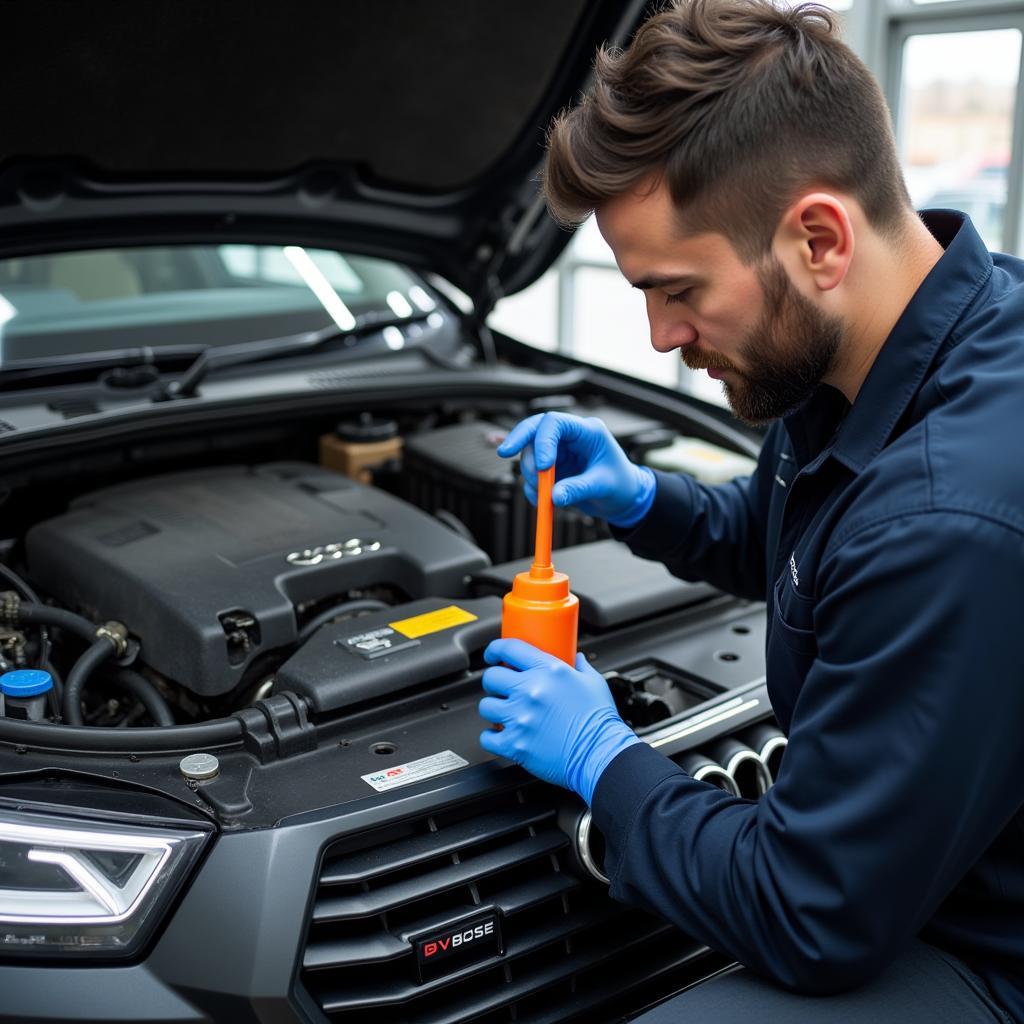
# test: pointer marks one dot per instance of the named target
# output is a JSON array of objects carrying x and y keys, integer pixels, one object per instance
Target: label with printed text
[{"x": 414, "y": 771}]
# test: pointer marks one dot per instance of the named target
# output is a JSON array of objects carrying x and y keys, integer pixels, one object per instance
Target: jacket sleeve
[
  {"x": 711, "y": 533},
  {"x": 903, "y": 766}
]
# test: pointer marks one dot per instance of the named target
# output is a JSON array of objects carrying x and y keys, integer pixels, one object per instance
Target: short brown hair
[{"x": 737, "y": 105}]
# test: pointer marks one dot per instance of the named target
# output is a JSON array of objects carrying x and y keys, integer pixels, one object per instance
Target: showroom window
[{"x": 951, "y": 72}]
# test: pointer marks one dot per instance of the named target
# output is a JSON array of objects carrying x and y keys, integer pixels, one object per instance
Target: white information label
[{"x": 414, "y": 771}]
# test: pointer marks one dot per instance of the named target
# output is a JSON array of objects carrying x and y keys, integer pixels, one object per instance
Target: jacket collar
[{"x": 899, "y": 369}]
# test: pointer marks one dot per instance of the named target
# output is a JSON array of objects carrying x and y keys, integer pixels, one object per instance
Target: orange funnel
[{"x": 539, "y": 608}]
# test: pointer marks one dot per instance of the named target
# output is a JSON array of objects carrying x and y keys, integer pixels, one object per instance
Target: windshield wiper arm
[
  {"x": 215, "y": 357},
  {"x": 19, "y": 370}
]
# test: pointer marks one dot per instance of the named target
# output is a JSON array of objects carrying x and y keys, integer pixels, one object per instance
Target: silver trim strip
[
  {"x": 701, "y": 716},
  {"x": 713, "y": 716}
]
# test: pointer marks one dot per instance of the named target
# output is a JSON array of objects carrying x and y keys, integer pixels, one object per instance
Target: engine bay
[{"x": 370, "y": 566}]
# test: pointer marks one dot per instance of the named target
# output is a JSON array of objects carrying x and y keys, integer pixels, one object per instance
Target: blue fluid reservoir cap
[{"x": 25, "y": 682}]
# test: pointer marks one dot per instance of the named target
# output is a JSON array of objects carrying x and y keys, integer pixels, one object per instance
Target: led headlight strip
[{"x": 73, "y": 886}]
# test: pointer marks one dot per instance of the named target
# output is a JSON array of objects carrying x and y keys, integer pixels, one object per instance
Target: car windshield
[{"x": 79, "y": 303}]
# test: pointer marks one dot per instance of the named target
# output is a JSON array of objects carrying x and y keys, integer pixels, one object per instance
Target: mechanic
[{"x": 742, "y": 167}]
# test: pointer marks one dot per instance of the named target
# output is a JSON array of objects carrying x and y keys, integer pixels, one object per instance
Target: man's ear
[{"x": 814, "y": 240}]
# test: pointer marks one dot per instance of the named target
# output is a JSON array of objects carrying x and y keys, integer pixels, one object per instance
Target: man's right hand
[{"x": 591, "y": 470}]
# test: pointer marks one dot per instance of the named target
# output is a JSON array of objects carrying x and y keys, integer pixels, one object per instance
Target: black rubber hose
[
  {"x": 347, "y": 607},
  {"x": 14, "y": 580},
  {"x": 19, "y": 584},
  {"x": 87, "y": 663},
  {"x": 62, "y": 738},
  {"x": 43, "y": 614},
  {"x": 152, "y": 699}
]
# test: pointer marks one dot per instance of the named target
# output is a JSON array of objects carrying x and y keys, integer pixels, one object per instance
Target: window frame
[{"x": 903, "y": 19}]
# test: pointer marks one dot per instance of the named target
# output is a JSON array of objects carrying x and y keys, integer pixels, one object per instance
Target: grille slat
[
  {"x": 529, "y": 942},
  {"x": 521, "y": 897},
  {"x": 346, "y": 952},
  {"x": 387, "y": 897},
  {"x": 405, "y": 853}
]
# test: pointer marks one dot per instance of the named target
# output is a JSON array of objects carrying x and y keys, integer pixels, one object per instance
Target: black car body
[{"x": 168, "y": 464}]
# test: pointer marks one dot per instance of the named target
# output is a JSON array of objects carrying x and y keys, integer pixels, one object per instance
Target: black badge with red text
[{"x": 457, "y": 945}]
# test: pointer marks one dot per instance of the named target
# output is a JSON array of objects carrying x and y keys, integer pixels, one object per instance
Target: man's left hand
[{"x": 559, "y": 722}]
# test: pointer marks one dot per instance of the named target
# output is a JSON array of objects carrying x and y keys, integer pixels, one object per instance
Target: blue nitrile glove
[
  {"x": 560, "y": 723},
  {"x": 592, "y": 471}
]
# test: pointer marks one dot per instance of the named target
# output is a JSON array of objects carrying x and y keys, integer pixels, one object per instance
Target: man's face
[{"x": 748, "y": 326}]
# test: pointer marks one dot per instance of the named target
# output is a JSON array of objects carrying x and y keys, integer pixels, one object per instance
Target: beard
[{"x": 787, "y": 353}]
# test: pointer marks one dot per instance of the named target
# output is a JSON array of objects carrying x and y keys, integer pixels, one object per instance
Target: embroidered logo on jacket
[{"x": 792, "y": 570}]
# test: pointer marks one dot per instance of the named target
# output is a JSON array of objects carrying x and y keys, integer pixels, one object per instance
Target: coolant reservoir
[{"x": 540, "y": 608}]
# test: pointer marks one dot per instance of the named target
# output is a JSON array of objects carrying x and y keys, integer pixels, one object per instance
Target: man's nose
[{"x": 668, "y": 334}]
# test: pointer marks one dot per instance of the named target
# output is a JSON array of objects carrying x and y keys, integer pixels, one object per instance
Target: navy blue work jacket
[{"x": 888, "y": 539}]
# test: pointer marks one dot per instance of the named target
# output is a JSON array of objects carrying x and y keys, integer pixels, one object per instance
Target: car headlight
[{"x": 68, "y": 886}]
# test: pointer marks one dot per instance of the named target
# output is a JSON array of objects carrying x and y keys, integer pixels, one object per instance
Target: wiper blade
[
  {"x": 215, "y": 357},
  {"x": 109, "y": 359}
]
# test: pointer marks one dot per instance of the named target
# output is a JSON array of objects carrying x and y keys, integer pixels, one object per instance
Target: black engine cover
[{"x": 178, "y": 557}]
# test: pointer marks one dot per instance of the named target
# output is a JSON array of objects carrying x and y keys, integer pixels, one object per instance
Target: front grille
[{"x": 571, "y": 953}]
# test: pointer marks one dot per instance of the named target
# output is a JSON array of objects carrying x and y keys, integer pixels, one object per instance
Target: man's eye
[{"x": 677, "y": 296}]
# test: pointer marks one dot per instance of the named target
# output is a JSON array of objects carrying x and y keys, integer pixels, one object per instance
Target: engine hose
[
  {"x": 221, "y": 732},
  {"x": 18, "y": 583},
  {"x": 345, "y": 608},
  {"x": 43, "y": 614},
  {"x": 93, "y": 657},
  {"x": 151, "y": 698},
  {"x": 22, "y": 588}
]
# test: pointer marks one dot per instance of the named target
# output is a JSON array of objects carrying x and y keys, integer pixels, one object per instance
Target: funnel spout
[{"x": 542, "y": 546}]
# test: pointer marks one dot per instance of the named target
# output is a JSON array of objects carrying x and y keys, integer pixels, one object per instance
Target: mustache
[{"x": 699, "y": 359}]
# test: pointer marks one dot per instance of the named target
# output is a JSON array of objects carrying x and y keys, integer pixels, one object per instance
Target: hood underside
[{"x": 404, "y": 129}]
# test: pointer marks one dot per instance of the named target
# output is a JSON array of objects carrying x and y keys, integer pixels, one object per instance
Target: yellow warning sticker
[{"x": 433, "y": 622}]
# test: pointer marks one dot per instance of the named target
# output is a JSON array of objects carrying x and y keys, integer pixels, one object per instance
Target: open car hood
[{"x": 401, "y": 129}]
